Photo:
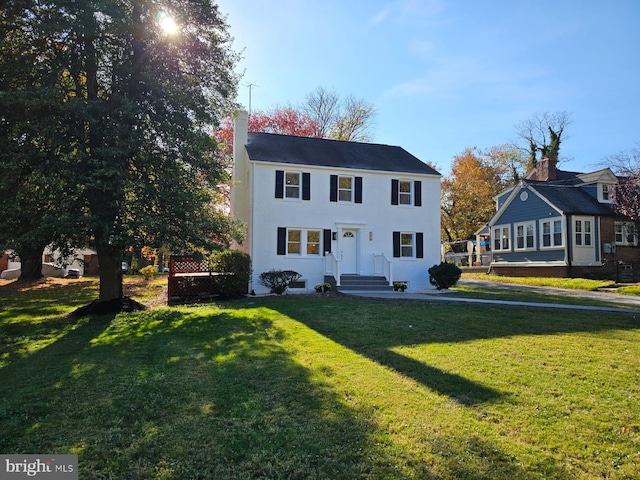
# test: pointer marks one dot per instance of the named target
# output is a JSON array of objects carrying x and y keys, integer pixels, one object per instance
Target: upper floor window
[
  {"x": 525, "y": 236},
  {"x": 345, "y": 189},
  {"x": 501, "y": 236},
  {"x": 406, "y": 192},
  {"x": 293, "y": 185},
  {"x": 583, "y": 232},
  {"x": 604, "y": 192},
  {"x": 552, "y": 233},
  {"x": 626, "y": 233}
]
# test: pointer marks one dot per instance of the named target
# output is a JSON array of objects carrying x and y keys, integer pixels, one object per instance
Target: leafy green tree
[
  {"x": 136, "y": 101},
  {"x": 34, "y": 186}
]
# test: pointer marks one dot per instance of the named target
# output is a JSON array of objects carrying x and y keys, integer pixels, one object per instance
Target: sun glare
[{"x": 167, "y": 23}]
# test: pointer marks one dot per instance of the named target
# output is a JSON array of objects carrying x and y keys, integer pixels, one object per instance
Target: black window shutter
[
  {"x": 417, "y": 186},
  {"x": 419, "y": 245},
  {"x": 326, "y": 241},
  {"x": 358, "y": 195},
  {"x": 333, "y": 188},
  {"x": 396, "y": 244},
  {"x": 282, "y": 241},
  {"x": 394, "y": 191},
  {"x": 279, "y": 183},
  {"x": 306, "y": 186}
]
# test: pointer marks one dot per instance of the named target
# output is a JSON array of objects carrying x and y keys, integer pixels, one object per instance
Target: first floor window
[
  {"x": 406, "y": 244},
  {"x": 501, "y": 238},
  {"x": 583, "y": 232},
  {"x": 552, "y": 233},
  {"x": 626, "y": 233},
  {"x": 313, "y": 242},
  {"x": 294, "y": 242},
  {"x": 525, "y": 236},
  {"x": 302, "y": 242}
]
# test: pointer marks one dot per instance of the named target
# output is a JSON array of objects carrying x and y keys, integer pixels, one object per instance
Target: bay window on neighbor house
[
  {"x": 583, "y": 232},
  {"x": 626, "y": 234},
  {"x": 501, "y": 236},
  {"x": 552, "y": 233}
]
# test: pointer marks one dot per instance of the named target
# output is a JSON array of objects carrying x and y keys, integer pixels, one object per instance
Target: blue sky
[{"x": 445, "y": 75}]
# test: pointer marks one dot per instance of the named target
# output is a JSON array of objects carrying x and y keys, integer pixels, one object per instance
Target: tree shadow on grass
[{"x": 189, "y": 393}]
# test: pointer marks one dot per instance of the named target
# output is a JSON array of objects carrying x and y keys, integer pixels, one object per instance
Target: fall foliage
[{"x": 467, "y": 193}]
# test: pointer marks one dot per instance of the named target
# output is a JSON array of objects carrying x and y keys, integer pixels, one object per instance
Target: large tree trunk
[
  {"x": 110, "y": 261},
  {"x": 31, "y": 263}
]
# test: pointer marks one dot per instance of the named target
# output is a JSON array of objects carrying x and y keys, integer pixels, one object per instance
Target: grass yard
[{"x": 319, "y": 387}]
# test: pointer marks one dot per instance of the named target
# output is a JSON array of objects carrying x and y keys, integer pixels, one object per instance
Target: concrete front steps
[{"x": 361, "y": 283}]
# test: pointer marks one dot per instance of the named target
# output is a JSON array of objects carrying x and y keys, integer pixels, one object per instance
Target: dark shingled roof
[
  {"x": 571, "y": 199},
  {"x": 321, "y": 152}
]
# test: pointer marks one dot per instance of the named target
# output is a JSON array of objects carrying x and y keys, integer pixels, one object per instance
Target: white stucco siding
[{"x": 373, "y": 222}]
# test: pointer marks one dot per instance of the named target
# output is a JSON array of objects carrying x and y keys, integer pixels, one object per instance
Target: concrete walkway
[{"x": 632, "y": 303}]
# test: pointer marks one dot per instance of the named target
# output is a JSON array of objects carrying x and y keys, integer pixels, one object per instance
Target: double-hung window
[
  {"x": 408, "y": 244},
  {"x": 303, "y": 242},
  {"x": 406, "y": 192},
  {"x": 292, "y": 188},
  {"x": 345, "y": 189},
  {"x": 501, "y": 237},
  {"x": 626, "y": 233},
  {"x": 525, "y": 236},
  {"x": 583, "y": 232},
  {"x": 293, "y": 185},
  {"x": 552, "y": 233}
]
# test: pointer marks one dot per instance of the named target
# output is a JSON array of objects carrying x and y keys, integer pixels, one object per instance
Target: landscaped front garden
[{"x": 319, "y": 386}]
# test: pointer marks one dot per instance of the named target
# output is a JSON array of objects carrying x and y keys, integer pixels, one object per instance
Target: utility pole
[{"x": 250, "y": 85}]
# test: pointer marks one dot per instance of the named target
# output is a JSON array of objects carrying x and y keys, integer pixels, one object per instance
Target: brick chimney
[{"x": 545, "y": 170}]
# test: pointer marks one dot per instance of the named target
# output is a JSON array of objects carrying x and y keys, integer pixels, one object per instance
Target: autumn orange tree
[{"x": 468, "y": 193}]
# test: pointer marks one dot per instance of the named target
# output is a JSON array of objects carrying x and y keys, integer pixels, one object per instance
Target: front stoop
[{"x": 361, "y": 283}]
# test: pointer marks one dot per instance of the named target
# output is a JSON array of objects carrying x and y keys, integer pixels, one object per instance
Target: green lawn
[{"x": 320, "y": 387}]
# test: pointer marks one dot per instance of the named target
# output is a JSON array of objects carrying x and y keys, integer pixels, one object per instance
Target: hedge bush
[
  {"x": 234, "y": 269},
  {"x": 444, "y": 276}
]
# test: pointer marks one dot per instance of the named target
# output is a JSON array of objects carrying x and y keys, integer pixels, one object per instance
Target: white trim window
[
  {"x": 406, "y": 244},
  {"x": 501, "y": 238},
  {"x": 626, "y": 234},
  {"x": 552, "y": 236},
  {"x": 525, "y": 236},
  {"x": 302, "y": 242},
  {"x": 604, "y": 192},
  {"x": 405, "y": 192},
  {"x": 345, "y": 189},
  {"x": 292, "y": 184},
  {"x": 583, "y": 232}
]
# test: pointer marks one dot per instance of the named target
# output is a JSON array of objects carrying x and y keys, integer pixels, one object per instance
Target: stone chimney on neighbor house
[{"x": 544, "y": 170}]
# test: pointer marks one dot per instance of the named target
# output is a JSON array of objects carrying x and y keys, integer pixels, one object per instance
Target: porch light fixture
[{"x": 370, "y": 236}]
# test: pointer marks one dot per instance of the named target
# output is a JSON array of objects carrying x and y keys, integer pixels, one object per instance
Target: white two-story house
[{"x": 335, "y": 210}]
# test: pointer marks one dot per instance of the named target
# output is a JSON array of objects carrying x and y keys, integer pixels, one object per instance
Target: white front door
[{"x": 349, "y": 250}]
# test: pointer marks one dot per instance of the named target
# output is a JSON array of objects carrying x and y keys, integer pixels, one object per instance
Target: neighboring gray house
[{"x": 559, "y": 223}]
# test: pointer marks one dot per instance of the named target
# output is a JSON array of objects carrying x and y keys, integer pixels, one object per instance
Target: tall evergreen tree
[{"x": 136, "y": 99}]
